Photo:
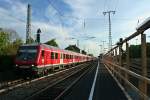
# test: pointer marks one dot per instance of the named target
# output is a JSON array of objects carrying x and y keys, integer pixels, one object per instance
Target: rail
[{"x": 116, "y": 57}]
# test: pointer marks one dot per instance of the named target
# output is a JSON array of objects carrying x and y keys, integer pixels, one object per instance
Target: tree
[
  {"x": 52, "y": 43},
  {"x": 91, "y": 55},
  {"x": 73, "y": 48},
  {"x": 135, "y": 51},
  {"x": 31, "y": 40},
  {"x": 8, "y": 45},
  {"x": 148, "y": 49},
  {"x": 4, "y": 41},
  {"x": 8, "y": 48},
  {"x": 13, "y": 47},
  {"x": 84, "y": 52}
]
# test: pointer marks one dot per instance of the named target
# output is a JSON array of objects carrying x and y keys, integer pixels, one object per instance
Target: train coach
[{"x": 39, "y": 59}]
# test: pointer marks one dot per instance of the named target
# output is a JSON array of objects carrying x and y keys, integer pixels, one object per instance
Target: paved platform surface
[{"x": 104, "y": 87}]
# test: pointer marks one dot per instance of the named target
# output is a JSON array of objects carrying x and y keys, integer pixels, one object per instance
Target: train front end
[{"x": 26, "y": 60}]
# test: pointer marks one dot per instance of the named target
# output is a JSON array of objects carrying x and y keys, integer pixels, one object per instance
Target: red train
[{"x": 39, "y": 59}]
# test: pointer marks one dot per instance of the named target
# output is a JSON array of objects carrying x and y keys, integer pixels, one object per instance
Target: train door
[
  {"x": 61, "y": 58},
  {"x": 52, "y": 57},
  {"x": 73, "y": 57},
  {"x": 47, "y": 57},
  {"x": 43, "y": 58}
]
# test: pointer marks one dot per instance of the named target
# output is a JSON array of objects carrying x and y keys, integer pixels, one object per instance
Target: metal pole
[
  {"x": 28, "y": 26},
  {"x": 110, "y": 37}
]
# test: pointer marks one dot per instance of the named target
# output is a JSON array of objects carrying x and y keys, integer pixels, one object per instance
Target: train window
[
  {"x": 28, "y": 47},
  {"x": 42, "y": 53},
  {"x": 52, "y": 55},
  {"x": 56, "y": 55},
  {"x": 70, "y": 57},
  {"x": 64, "y": 56},
  {"x": 67, "y": 56},
  {"x": 27, "y": 53}
]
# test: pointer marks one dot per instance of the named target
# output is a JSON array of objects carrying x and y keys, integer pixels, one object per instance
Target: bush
[
  {"x": 6, "y": 62},
  {"x": 8, "y": 49}
]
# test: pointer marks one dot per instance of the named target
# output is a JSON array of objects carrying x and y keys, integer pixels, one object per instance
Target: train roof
[{"x": 53, "y": 48}]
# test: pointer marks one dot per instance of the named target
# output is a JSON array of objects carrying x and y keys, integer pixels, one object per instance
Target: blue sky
[{"x": 64, "y": 19}]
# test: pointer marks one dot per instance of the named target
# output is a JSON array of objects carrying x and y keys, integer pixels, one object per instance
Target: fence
[{"x": 119, "y": 62}]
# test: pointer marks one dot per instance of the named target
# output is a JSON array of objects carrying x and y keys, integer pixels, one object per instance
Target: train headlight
[
  {"x": 16, "y": 65},
  {"x": 32, "y": 65}
]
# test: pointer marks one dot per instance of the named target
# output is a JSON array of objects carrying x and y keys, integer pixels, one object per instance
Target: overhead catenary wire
[
  {"x": 17, "y": 19},
  {"x": 58, "y": 12}
]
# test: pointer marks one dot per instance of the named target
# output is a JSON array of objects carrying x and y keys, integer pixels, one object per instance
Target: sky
[{"x": 78, "y": 19}]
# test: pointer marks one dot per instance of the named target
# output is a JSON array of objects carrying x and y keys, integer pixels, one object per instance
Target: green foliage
[
  {"x": 4, "y": 41},
  {"x": 148, "y": 49},
  {"x": 73, "y": 48},
  {"x": 13, "y": 47},
  {"x": 52, "y": 43},
  {"x": 91, "y": 55},
  {"x": 8, "y": 48},
  {"x": 135, "y": 50},
  {"x": 84, "y": 52},
  {"x": 30, "y": 40}
]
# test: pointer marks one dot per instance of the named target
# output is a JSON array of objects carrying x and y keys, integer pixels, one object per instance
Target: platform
[{"x": 104, "y": 87}]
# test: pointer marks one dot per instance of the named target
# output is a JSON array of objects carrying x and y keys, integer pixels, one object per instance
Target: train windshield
[{"x": 27, "y": 53}]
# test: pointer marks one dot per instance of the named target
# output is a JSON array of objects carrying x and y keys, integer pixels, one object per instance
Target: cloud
[
  {"x": 17, "y": 9},
  {"x": 52, "y": 15},
  {"x": 50, "y": 31},
  {"x": 70, "y": 24}
]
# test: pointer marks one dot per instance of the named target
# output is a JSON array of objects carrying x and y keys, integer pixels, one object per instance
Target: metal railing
[{"x": 120, "y": 67}]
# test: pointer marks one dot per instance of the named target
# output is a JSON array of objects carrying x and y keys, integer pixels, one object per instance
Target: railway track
[
  {"x": 9, "y": 85},
  {"x": 59, "y": 89},
  {"x": 29, "y": 88}
]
